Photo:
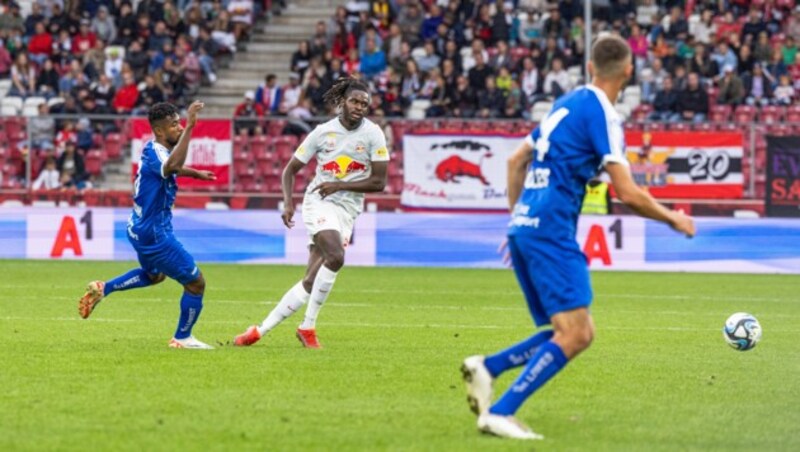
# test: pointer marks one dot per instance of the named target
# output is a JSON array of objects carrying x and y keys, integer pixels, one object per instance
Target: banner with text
[
  {"x": 210, "y": 149},
  {"x": 456, "y": 171},
  {"x": 443, "y": 171},
  {"x": 687, "y": 164},
  {"x": 783, "y": 177}
]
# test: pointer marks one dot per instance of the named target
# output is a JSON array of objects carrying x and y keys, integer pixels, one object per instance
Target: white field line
[
  {"x": 420, "y": 307},
  {"x": 477, "y": 293},
  {"x": 356, "y": 324}
]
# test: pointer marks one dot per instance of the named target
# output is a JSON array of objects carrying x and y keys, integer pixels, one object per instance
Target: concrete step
[
  {"x": 293, "y": 37},
  {"x": 299, "y": 21},
  {"x": 272, "y": 48},
  {"x": 317, "y": 10},
  {"x": 241, "y": 73},
  {"x": 262, "y": 57},
  {"x": 270, "y": 65}
]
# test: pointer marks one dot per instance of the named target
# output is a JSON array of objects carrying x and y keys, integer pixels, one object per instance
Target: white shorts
[{"x": 321, "y": 215}]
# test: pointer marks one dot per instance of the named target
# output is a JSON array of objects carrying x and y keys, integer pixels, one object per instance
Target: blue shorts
[
  {"x": 167, "y": 257},
  {"x": 554, "y": 278}
]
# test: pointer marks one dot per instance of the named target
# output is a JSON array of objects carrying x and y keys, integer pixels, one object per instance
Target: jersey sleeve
[
  {"x": 606, "y": 135},
  {"x": 378, "y": 151},
  {"x": 531, "y": 138},
  {"x": 308, "y": 148},
  {"x": 154, "y": 159}
]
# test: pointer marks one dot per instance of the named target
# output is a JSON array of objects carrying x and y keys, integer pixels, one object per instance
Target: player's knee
[
  {"x": 155, "y": 279},
  {"x": 196, "y": 287},
  {"x": 335, "y": 260},
  {"x": 583, "y": 337}
]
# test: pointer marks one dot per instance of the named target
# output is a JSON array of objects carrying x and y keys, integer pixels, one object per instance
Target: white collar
[{"x": 603, "y": 98}]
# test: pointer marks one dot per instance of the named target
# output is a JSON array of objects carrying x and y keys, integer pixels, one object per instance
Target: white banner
[
  {"x": 456, "y": 171},
  {"x": 70, "y": 234}
]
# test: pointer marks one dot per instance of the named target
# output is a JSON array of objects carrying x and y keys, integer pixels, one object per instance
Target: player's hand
[
  {"x": 192, "y": 111},
  {"x": 503, "y": 249},
  {"x": 205, "y": 175},
  {"x": 327, "y": 188},
  {"x": 682, "y": 223},
  {"x": 286, "y": 216}
]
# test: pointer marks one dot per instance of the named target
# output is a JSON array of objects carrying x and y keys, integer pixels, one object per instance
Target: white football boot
[
  {"x": 190, "y": 343},
  {"x": 505, "y": 427},
  {"x": 479, "y": 384}
]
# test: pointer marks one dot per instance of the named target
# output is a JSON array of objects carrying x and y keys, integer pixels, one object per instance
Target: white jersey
[{"x": 343, "y": 155}]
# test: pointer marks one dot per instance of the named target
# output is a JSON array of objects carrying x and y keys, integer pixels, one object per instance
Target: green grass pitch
[{"x": 658, "y": 376}]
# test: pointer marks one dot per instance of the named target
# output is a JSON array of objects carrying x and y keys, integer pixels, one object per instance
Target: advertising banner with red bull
[
  {"x": 211, "y": 149},
  {"x": 462, "y": 172},
  {"x": 688, "y": 165}
]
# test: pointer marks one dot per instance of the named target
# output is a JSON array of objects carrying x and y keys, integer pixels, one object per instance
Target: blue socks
[
  {"x": 516, "y": 355},
  {"x": 191, "y": 305},
  {"x": 543, "y": 365},
  {"x": 131, "y": 280}
]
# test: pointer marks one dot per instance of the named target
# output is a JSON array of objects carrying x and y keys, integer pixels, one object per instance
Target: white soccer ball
[{"x": 742, "y": 331}]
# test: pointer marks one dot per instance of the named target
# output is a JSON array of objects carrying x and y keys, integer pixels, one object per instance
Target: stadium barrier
[{"x": 420, "y": 240}]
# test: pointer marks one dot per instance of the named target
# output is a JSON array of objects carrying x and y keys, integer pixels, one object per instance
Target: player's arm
[
  {"x": 287, "y": 185},
  {"x": 376, "y": 182},
  {"x": 643, "y": 203},
  {"x": 517, "y": 168},
  {"x": 178, "y": 155},
  {"x": 197, "y": 174}
]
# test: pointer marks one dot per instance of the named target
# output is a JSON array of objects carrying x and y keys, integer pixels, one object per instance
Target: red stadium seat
[
  {"x": 260, "y": 145},
  {"x": 275, "y": 127},
  {"x": 113, "y": 146},
  {"x": 655, "y": 126},
  {"x": 703, "y": 127},
  {"x": 780, "y": 130},
  {"x": 641, "y": 112},
  {"x": 771, "y": 114},
  {"x": 744, "y": 114},
  {"x": 241, "y": 145},
  {"x": 720, "y": 113},
  {"x": 285, "y": 147},
  {"x": 680, "y": 126},
  {"x": 94, "y": 162}
]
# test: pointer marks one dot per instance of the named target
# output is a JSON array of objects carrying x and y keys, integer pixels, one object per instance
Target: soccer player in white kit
[{"x": 352, "y": 159}]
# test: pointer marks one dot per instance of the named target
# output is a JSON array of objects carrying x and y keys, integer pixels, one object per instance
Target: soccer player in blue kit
[
  {"x": 150, "y": 225},
  {"x": 547, "y": 177}
]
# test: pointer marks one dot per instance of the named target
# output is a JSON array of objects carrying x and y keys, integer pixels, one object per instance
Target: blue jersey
[
  {"x": 153, "y": 196},
  {"x": 581, "y": 134}
]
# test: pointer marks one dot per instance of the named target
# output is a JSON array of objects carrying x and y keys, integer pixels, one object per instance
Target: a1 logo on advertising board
[
  {"x": 71, "y": 234},
  {"x": 612, "y": 242}
]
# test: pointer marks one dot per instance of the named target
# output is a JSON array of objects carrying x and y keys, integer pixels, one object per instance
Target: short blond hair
[{"x": 610, "y": 54}]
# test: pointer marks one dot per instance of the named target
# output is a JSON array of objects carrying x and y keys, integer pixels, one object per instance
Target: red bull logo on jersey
[
  {"x": 453, "y": 167},
  {"x": 342, "y": 166}
]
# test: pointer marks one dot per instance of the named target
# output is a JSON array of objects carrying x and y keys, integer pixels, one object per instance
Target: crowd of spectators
[
  {"x": 495, "y": 59},
  {"x": 104, "y": 57}
]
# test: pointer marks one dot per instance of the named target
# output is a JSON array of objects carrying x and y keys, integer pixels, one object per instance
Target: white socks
[
  {"x": 291, "y": 302},
  {"x": 323, "y": 284}
]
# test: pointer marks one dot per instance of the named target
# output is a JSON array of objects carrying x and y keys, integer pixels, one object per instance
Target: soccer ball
[{"x": 742, "y": 331}]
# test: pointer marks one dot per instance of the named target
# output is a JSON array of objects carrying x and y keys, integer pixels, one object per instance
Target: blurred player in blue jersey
[
  {"x": 547, "y": 176},
  {"x": 150, "y": 225}
]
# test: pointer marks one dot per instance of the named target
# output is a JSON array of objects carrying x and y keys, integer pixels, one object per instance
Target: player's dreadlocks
[{"x": 341, "y": 88}]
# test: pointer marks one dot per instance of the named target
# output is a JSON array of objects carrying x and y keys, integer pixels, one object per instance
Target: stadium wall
[{"x": 417, "y": 240}]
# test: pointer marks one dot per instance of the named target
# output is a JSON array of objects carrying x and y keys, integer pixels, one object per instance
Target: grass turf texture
[{"x": 658, "y": 377}]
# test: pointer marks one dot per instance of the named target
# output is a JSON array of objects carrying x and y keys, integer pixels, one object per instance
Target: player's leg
[
  {"x": 330, "y": 245},
  {"x": 332, "y": 229},
  {"x": 175, "y": 262},
  {"x": 519, "y": 354},
  {"x": 478, "y": 371},
  {"x": 96, "y": 291},
  {"x": 562, "y": 284},
  {"x": 290, "y": 303}
]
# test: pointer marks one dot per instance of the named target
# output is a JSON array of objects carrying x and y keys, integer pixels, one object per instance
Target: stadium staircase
[{"x": 269, "y": 51}]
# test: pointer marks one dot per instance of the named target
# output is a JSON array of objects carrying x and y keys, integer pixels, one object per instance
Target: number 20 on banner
[{"x": 70, "y": 234}]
